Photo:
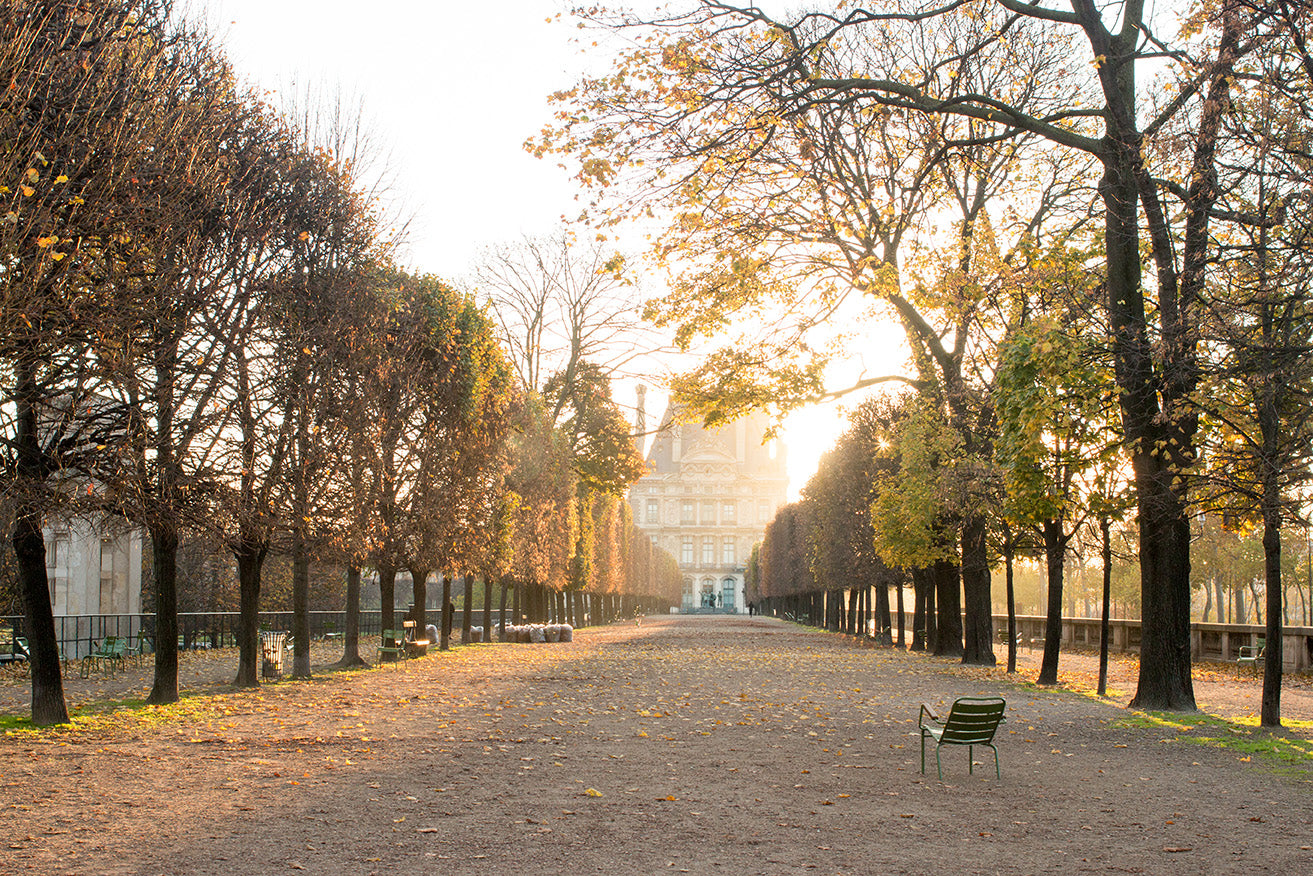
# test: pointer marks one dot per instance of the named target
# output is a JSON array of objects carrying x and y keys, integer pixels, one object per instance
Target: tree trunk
[
  {"x": 976, "y": 589},
  {"x": 1272, "y": 642},
  {"x": 300, "y": 605},
  {"x": 1105, "y": 625},
  {"x": 249, "y": 553},
  {"x": 502, "y": 609},
  {"x": 1165, "y": 681},
  {"x": 351, "y": 635},
  {"x": 387, "y": 583},
  {"x": 444, "y": 634},
  {"x": 164, "y": 553},
  {"x": 901, "y": 617},
  {"x": 921, "y": 611},
  {"x": 882, "y": 618},
  {"x": 164, "y": 530},
  {"x": 467, "y": 615},
  {"x": 487, "y": 607},
  {"x": 1009, "y": 570},
  {"x": 419, "y": 592},
  {"x": 48, "y": 706},
  {"x": 948, "y": 596},
  {"x": 1055, "y": 550}
]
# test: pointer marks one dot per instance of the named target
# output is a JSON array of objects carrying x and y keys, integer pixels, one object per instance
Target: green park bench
[
  {"x": 139, "y": 651},
  {"x": 972, "y": 721},
  {"x": 13, "y": 649},
  {"x": 1249, "y": 655},
  {"x": 108, "y": 655},
  {"x": 392, "y": 642}
]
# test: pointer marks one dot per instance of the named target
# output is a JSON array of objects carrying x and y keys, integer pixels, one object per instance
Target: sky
[{"x": 450, "y": 92}]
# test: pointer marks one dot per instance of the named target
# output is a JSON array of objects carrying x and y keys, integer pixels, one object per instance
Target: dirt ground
[{"x": 686, "y": 745}]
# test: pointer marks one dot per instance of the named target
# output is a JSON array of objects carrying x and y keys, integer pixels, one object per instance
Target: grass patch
[
  {"x": 1248, "y": 740},
  {"x": 106, "y": 716}
]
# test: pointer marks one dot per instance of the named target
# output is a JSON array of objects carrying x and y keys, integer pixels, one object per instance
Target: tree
[
  {"x": 784, "y": 565},
  {"x": 545, "y": 524},
  {"x": 840, "y": 494},
  {"x": 558, "y": 303},
  {"x": 463, "y": 418},
  {"x": 261, "y": 233},
  {"x": 161, "y": 375},
  {"x": 1258, "y": 414},
  {"x": 908, "y": 515},
  {"x": 1053, "y": 407}
]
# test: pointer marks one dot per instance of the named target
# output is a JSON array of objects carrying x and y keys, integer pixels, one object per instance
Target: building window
[
  {"x": 728, "y": 589},
  {"x": 686, "y": 513},
  {"x": 708, "y": 550},
  {"x": 727, "y": 551},
  {"x": 686, "y": 550},
  {"x": 729, "y": 513},
  {"x": 763, "y": 512},
  {"x": 653, "y": 511},
  {"x": 708, "y": 513}
]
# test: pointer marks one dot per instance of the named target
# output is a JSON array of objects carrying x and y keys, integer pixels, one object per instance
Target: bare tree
[{"x": 558, "y": 302}]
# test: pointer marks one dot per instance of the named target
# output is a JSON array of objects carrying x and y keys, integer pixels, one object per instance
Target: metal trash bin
[{"x": 271, "y": 653}]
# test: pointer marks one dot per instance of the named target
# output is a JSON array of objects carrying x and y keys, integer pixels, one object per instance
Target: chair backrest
[{"x": 973, "y": 720}]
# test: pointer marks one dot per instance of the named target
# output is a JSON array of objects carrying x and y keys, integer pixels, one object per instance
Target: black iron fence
[{"x": 78, "y": 634}]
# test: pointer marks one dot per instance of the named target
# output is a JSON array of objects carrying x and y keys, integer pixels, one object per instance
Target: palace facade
[{"x": 706, "y": 499}]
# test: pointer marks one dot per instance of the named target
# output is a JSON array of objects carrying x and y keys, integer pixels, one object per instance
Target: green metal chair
[{"x": 972, "y": 721}]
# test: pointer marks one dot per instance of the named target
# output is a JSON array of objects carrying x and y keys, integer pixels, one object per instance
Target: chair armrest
[{"x": 926, "y": 710}]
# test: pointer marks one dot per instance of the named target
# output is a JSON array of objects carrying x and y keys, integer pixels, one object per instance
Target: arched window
[{"x": 729, "y": 587}]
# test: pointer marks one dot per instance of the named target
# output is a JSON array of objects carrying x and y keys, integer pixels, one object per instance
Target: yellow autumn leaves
[
  {"x": 49, "y": 242},
  {"x": 28, "y": 182}
]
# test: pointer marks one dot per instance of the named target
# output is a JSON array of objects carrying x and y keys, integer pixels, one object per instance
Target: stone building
[
  {"x": 94, "y": 568},
  {"x": 706, "y": 499}
]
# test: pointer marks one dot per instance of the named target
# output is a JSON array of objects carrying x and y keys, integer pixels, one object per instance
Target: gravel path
[{"x": 703, "y": 745}]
